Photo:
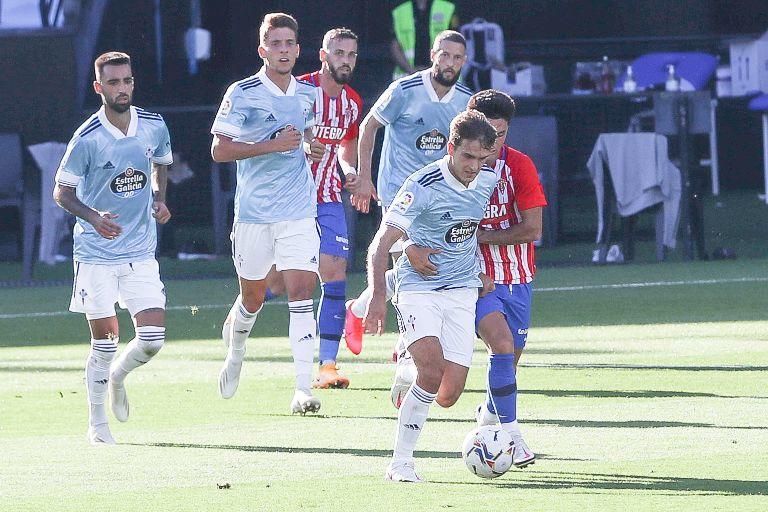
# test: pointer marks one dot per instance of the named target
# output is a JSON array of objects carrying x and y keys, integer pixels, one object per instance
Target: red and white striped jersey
[
  {"x": 518, "y": 188},
  {"x": 336, "y": 119}
]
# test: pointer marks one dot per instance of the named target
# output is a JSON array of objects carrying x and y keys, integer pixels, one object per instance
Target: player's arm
[
  {"x": 348, "y": 163},
  {"x": 366, "y": 190},
  {"x": 102, "y": 222},
  {"x": 159, "y": 184},
  {"x": 528, "y": 230},
  {"x": 396, "y": 51},
  {"x": 378, "y": 262},
  {"x": 225, "y": 149}
]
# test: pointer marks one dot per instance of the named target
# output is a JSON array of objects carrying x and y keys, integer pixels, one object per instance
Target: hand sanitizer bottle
[
  {"x": 630, "y": 85},
  {"x": 673, "y": 84}
]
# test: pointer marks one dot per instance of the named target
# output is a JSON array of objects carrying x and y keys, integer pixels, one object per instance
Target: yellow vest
[{"x": 440, "y": 16}]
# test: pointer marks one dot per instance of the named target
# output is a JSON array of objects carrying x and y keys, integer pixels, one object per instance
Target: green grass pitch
[{"x": 644, "y": 387}]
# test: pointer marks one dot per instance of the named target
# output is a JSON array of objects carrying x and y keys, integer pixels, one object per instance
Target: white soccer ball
[{"x": 487, "y": 451}]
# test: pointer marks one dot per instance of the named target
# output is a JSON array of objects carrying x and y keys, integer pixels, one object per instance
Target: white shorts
[
  {"x": 447, "y": 315},
  {"x": 289, "y": 245},
  {"x": 135, "y": 286}
]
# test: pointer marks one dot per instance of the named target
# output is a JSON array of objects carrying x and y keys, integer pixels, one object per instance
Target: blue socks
[
  {"x": 502, "y": 387},
  {"x": 269, "y": 295},
  {"x": 331, "y": 318}
]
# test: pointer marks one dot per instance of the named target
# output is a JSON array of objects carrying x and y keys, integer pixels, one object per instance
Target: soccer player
[
  {"x": 264, "y": 124},
  {"x": 512, "y": 222},
  {"x": 416, "y": 111},
  {"x": 338, "y": 109},
  {"x": 113, "y": 178},
  {"x": 438, "y": 206}
]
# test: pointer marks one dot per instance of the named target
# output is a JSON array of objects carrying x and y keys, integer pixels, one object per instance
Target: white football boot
[
  {"x": 303, "y": 402},
  {"x": 402, "y": 472},
  {"x": 118, "y": 398},
  {"x": 522, "y": 456},
  {"x": 100, "y": 435}
]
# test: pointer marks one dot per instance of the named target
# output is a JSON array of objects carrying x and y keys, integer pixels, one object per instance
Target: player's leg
[
  {"x": 143, "y": 294},
  {"x": 275, "y": 285},
  {"x": 94, "y": 293},
  {"x": 457, "y": 340},
  {"x": 500, "y": 328},
  {"x": 253, "y": 255},
  {"x": 414, "y": 409},
  {"x": 297, "y": 248},
  {"x": 334, "y": 250}
]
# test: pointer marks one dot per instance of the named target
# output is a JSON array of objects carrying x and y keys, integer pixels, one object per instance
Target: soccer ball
[{"x": 487, "y": 451}]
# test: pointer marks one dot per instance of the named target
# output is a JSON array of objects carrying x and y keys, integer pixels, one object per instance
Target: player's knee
[
  {"x": 502, "y": 345},
  {"x": 151, "y": 339}
]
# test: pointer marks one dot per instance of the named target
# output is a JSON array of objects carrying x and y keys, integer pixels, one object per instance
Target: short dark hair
[
  {"x": 449, "y": 35},
  {"x": 110, "y": 59},
  {"x": 494, "y": 104},
  {"x": 472, "y": 125},
  {"x": 338, "y": 33},
  {"x": 277, "y": 20}
]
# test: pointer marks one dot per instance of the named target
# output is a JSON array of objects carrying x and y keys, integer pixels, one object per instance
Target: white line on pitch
[{"x": 12, "y": 316}]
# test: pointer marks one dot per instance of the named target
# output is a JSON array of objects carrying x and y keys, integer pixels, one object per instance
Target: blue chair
[
  {"x": 651, "y": 70},
  {"x": 760, "y": 104}
]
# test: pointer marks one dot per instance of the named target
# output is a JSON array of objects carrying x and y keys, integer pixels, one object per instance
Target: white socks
[
  {"x": 240, "y": 328},
  {"x": 410, "y": 421},
  {"x": 358, "y": 305},
  {"x": 148, "y": 342},
  {"x": 302, "y": 330},
  {"x": 97, "y": 377},
  {"x": 512, "y": 427}
]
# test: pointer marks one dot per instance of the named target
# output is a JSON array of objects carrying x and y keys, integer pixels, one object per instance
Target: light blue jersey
[
  {"x": 417, "y": 125},
  {"x": 437, "y": 211},
  {"x": 112, "y": 171},
  {"x": 277, "y": 186}
]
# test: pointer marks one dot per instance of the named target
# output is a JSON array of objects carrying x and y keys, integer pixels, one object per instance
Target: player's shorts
[
  {"x": 514, "y": 302},
  {"x": 447, "y": 315},
  {"x": 333, "y": 229},
  {"x": 135, "y": 286},
  {"x": 289, "y": 245},
  {"x": 397, "y": 246}
]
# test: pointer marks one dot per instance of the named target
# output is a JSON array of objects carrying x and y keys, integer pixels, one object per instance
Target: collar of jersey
[
  {"x": 451, "y": 180},
  {"x": 274, "y": 89},
  {"x": 431, "y": 90},
  {"x": 114, "y": 130}
]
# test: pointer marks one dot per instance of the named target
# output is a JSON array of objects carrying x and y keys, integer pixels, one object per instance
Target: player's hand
[
  {"x": 375, "y": 315},
  {"x": 488, "y": 285},
  {"x": 351, "y": 182},
  {"x": 288, "y": 139},
  {"x": 315, "y": 150},
  {"x": 419, "y": 258},
  {"x": 160, "y": 212},
  {"x": 103, "y": 223},
  {"x": 361, "y": 198}
]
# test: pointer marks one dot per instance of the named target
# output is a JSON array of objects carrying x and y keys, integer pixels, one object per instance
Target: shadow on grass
[
  {"x": 359, "y": 452},
  {"x": 34, "y": 368},
  {"x": 600, "y": 393},
  {"x": 609, "y": 366},
  {"x": 616, "y": 482}
]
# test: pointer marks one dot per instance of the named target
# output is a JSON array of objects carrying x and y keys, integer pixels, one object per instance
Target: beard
[
  {"x": 119, "y": 107},
  {"x": 444, "y": 80},
  {"x": 338, "y": 77}
]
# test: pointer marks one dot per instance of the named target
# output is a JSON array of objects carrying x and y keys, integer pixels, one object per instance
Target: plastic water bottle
[
  {"x": 672, "y": 84},
  {"x": 630, "y": 85}
]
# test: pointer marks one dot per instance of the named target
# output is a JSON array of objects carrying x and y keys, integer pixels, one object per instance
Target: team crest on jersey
[
  {"x": 431, "y": 141},
  {"x": 128, "y": 183},
  {"x": 226, "y": 107},
  {"x": 403, "y": 202},
  {"x": 461, "y": 232},
  {"x": 501, "y": 186}
]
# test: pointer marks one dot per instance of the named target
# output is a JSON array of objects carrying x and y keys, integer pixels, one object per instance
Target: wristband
[{"x": 407, "y": 244}]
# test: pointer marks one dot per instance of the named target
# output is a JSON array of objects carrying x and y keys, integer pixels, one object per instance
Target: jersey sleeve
[
  {"x": 232, "y": 114},
  {"x": 163, "y": 154},
  {"x": 528, "y": 190},
  {"x": 354, "y": 127},
  {"x": 390, "y": 104},
  {"x": 75, "y": 163},
  {"x": 410, "y": 201}
]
